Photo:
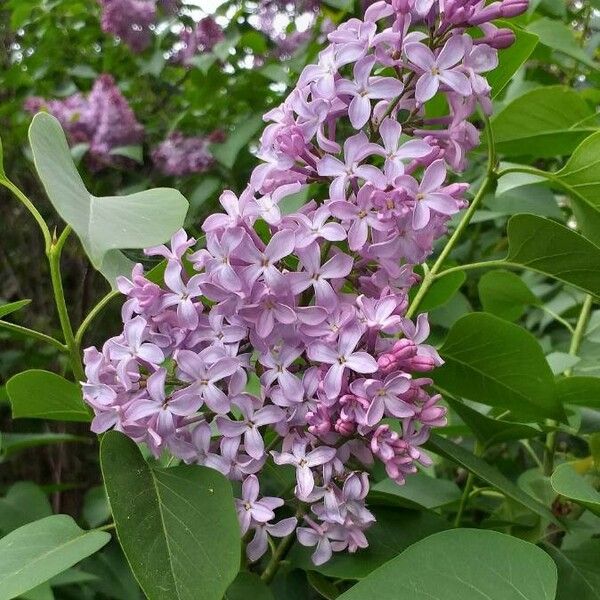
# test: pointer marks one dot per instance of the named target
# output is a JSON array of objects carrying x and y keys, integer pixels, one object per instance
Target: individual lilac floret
[{"x": 285, "y": 339}]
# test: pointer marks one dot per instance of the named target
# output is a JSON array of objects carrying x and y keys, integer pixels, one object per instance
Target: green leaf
[
  {"x": 12, "y": 443},
  {"x": 517, "y": 199},
  {"x": 568, "y": 483},
  {"x": 242, "y": 133},
  {"x": 323, "y": 586},
  {"x": 442, "y": 290},
  {"x": 555, "y": 250},
  {"x": 184, "y": 514},
  {"x": 40, "y": 394},
  {"x": 559, "y": 37},
  {"x": 2, "y": 171},
  {"x": 103, "y": 224},
  {"x": 543, "y": 122},
  {"x": 491, "y": 431},
  {"x": 32, "y": 554},
  {"x": 581, "y": 391},
  {"x": 135, "y": 153},
  {"x": 559, "y": 362},
  {"x": 419, "y": 491},
  {"x": 491, "y": 475},
  {"x": 578, "y": 571},
  {"x": 11, "y": 307},
  {"x": 95, "y": 509},
  {"x": 463, "y": 564},
  {"x": 394, "y": 530},
  {"x": 497, "y": 363},
  {"x": 24, "y": 502},
  {"x": 247, "y": 586},
  {"x": 581, "y": 178},
  {"x": 505, "y": 294},
  {"x": 511, "y": 59}
]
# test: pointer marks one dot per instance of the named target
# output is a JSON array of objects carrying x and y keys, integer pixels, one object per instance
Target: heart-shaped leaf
[{"x": 103, "y": 224}]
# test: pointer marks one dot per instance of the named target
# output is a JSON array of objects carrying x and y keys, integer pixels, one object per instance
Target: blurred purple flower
[
  {"x": 130, "y": 20},
  {"x": 180, "y": 155}
]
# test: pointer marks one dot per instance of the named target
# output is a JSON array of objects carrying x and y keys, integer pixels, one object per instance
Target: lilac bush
[
  {"x": 130, "y": 20},
  {"x": 315, "y": 303},
  {"x": 180, "y": 155}
]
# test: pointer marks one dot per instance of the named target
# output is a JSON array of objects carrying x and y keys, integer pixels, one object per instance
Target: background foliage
[{"x": 514, "y": 309}]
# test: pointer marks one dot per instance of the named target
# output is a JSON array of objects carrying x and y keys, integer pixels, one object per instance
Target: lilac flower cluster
[
  {"x": 198, "y": 40},
  {"x": 179, "y": 155},
  {"x": 103, "y": 120},
  {"x": 314, "y": 302},
  {"x": 130, "y": 20}
]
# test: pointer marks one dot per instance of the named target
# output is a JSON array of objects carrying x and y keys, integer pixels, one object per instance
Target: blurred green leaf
[
  {"x": 559, "y": 37},
  {"x": 555, "y": 250},
  {"x": 135, "y": 153},
  {"x": 38, "y": 394},
  {"x": 11, "y": 307},
  {"x": 227, "y": 152},
  {"x": 24, "y": 502},
  {"x": 505, "y": 294},
  {"x": 419, "y": 491},
  {"x": 568, "y": 483},
  {"x": 511, "y": 59},
  {"x": 544, "y": 122},
  {"x": 579, "y": 390},
  {"x": 12, "y": 443},
  {"x": 95, "y": 509},
  {"x": 578, "y": 571},
  {"x": 490, "y": 431},
  {"x": 442, "y": 291},
  {"x": 40, "y": 550},
  {"x": 248, "y": 586},
  {"x": 488, "y": 473}
]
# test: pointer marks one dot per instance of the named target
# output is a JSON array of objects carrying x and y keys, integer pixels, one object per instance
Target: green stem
[
  {"x": 582, "y": 322},
  {"x": 106, "y": 527},
  {"x": 98, "y": 308},
  {"x": 54, "y": 255},
  {"x": 486, "y": 264},
  {"x": 37, "y": 335},
  {"x": 490, "y": 178},
  {"x": 32, "y": 209},
  {"x": 280, "y": 553},
  {"x": 464, "y": 499}
]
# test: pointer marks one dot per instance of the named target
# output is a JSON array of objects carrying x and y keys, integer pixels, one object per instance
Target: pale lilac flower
[
  {"x": 250, "y": 508},
  {"x": 317, "y": 275},
  {"x": 364, "y": 88},
  {"x": 342, "y": 358},
  {"x": 304, "y": 462},
  {"x": 429, "y": 194},
  {"x": 262, "y": 262},
  {"x": 258, "y": 544},
  {"x": 203, "y": 379},
  {"x": 248, "y": 427},
  {"x": 440, "y": 69}
]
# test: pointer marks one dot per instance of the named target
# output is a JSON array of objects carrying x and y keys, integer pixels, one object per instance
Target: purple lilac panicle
[
  {"x": 319, "y": 312},
  {"x": 130, "y": 20},
  {"x": 179, "y": 155},
  {"x": 103, "y": 120}
]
